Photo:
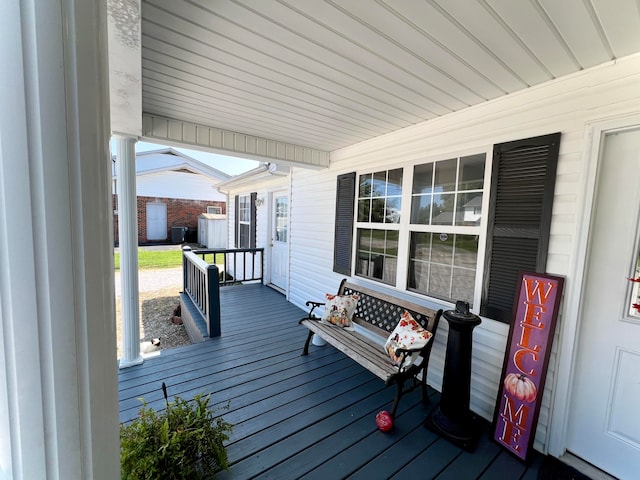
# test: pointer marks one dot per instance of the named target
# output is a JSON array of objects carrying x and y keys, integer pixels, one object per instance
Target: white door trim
[
  {"x": 283, "y": 192},
  {"x": 565, "y": 364}
]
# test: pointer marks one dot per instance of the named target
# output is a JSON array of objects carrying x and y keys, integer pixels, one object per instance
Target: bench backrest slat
[{"x": 383, "y": 311}]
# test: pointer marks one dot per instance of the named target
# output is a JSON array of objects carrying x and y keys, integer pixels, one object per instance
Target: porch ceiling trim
[{"x": 227, "y": 142}]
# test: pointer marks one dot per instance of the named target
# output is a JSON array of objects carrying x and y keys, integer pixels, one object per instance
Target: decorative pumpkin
[
  {"x": 520, "y": 387},
  {"x": 384, "y": 421}
]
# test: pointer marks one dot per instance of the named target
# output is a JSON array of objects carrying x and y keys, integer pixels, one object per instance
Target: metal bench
[{"x": 377, "y": 314}]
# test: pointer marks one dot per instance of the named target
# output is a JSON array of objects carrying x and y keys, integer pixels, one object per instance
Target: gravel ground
[{"x": 159, "y": 294}]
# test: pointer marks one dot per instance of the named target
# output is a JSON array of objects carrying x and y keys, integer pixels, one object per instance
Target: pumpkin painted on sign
[{"x": 520, "y": 387}]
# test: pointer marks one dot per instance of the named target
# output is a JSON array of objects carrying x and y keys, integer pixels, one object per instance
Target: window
[
  {"x": 214, "y": 209},
  {"x": 245, "y": 234},
  {"x": 423, "y": 227},
  {"x": 445, "y": 205},
  {"x": 446, "y": 212},
  {"x": 379, "y": 205}
]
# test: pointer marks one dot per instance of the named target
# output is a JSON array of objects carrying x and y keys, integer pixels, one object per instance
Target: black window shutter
[
  {"x": 345, "y": 198},
  {"x": 236, "y": 233},
  {"x": 252, "y": 227},
  {"x": 522, "y": 186}
]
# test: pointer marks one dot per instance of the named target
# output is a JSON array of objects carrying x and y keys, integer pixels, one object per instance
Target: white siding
[
  {"x": 567, "y": 105},
  {"x": 262, "y": 185},
  {"x": 171, "y": 184}
]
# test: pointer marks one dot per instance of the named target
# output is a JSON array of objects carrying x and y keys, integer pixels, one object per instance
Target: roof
[{"x": 168, "y": 159}]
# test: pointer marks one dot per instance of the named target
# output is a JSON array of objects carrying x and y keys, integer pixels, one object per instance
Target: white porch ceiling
[{"x": 325, "y": 74}]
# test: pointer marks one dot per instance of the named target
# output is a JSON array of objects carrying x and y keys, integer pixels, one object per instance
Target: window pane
[
  {"x": 366, "y": 183},
  {"x": 394, "y": 187},
  {"x": 472, "y": 172},
  {"x": 378, "y": 254},
  {"x": 420, "y": 246},
  {"x": 421, "y": 209},
  {"x": 442, "y": 248},
  {"x": 392, "y": 213},
  {"x": 423, "y": 178},
  {"x": 445, "y": 175},
  {"x": 379, "y": 184},
  {"x": 463, "y": 285},
  {"x": 378, "y": 238},
  {"x": 466, "y": 251},
  {"x": 377, "y": 210},
  {"x": 364, "y": 208},
  {"x": 443, "y": 209},
  {"x": 469, "y": 209},
  {"x": 244, "y": 235},
  {"x": 440, "y": 281},
  {"x": 419, "y": 276},
  {"x": 282, "y": 213},
  {"x": 391, "y": 246},
  {"x": 389, "y": 270},
  {"x": 364, "y": 239}
]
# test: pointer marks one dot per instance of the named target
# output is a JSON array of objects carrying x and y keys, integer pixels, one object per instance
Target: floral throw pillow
[
  {"x": 408, "y": 334},
  {"x": 338, "y": 310}
]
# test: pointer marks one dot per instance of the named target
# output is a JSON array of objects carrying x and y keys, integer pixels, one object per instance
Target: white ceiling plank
[
  {"x": 621, "y": 22},
  {"x": 265, "y": 52},
  {"x": 283, "y": 103},
  {"x": 574, "y": 20},
  {"x": 490, "y": 32},
  {"x": 307, "y": 93},
  {"x": 331, "y": 73},
  {"x": 526, "y": 21},
  {"x": 430, "y": 19},
  {"x": 339, "y": 43},
  {"x": 418, "y": 46},
  {"x": 277, "y": 121}
]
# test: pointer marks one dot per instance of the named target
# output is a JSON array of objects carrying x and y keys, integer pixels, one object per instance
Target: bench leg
[
  {"x": 396, "y": 401},
  {"x": 423, "y": 385},
  {"x": 306, "y": 344}
]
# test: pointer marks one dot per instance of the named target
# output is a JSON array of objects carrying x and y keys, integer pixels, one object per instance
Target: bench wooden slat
[{"x": 369, "y": 355}]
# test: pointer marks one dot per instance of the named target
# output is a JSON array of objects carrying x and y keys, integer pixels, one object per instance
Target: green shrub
[{"x": 185, "y": 441}]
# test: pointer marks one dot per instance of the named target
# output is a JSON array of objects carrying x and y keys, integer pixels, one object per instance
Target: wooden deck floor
[{"x": 304, "y": 417}]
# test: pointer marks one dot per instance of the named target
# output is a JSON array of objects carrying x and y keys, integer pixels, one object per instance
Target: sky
[{"x": 230, "y": 165}]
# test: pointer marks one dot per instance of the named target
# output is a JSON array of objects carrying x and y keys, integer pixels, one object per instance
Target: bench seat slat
[{"x": 366, "y": 352}]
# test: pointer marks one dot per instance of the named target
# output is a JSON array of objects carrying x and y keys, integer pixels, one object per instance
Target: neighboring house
[
  {"x": 411, "y": 253},
  {"x": 173, "y": 189}
]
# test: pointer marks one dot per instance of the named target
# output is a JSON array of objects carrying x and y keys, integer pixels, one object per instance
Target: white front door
[
  {"x": 156, "y": 221},
  {"x": 604, "y": 419},
  {"x": 280, "y": 240}
]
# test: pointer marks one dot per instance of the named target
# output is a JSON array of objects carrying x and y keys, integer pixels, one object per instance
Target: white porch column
[
  {"x": 128, "y": 239},
  {"x": 58, "y": 366}
]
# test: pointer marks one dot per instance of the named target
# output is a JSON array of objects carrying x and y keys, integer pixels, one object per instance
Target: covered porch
[{"x": 303, "y": 417}]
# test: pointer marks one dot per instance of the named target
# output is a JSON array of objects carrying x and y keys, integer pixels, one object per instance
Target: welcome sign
[{"x": 525, "y": 365}]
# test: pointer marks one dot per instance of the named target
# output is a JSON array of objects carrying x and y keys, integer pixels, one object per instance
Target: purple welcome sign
[{"x": 524, "y": 371}]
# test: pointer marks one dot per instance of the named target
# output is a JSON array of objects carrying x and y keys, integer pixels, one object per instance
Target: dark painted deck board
[{"x": 304, "y": 417}]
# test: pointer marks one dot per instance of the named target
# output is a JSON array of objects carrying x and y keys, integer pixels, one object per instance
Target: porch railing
[{"x": 205, "y": 270}]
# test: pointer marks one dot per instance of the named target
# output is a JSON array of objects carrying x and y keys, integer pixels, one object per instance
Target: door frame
[
  {"x": 285, "y": 191},
  {"x": 571, "y": 323}
]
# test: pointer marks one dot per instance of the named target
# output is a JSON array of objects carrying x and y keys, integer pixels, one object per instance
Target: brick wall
[{"x": 180, "y": 213}]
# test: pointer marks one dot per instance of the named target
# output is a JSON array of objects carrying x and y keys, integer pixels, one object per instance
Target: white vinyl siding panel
[
  {"x": 171, "y": 184},
  {"x": 567, "y": 105}
]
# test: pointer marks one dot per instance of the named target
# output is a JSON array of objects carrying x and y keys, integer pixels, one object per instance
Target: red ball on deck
[{"x": 384, "y": 421}]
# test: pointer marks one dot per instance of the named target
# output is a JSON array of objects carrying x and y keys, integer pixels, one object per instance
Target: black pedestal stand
[{"x": 452, "y": 419}]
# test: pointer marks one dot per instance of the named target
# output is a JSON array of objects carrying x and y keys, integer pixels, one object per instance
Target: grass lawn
[{"x": 154, "y": 259}]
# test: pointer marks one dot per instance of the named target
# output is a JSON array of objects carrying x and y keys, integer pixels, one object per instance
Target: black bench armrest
[{"x": 313, "y": 306}]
